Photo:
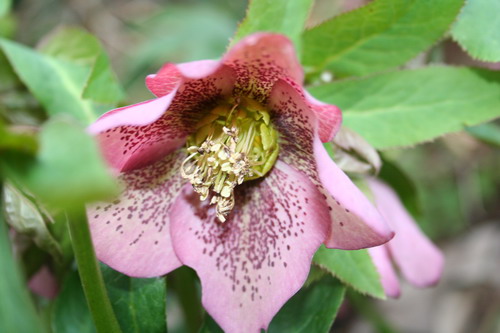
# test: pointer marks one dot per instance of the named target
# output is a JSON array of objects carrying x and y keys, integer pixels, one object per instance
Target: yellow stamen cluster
[{"x": 234, "y": 142}]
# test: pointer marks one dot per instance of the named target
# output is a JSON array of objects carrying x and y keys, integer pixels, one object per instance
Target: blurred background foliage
[{"x": 451, "y": 185}]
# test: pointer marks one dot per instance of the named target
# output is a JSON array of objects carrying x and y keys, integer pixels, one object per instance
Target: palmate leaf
[
  {"x": 71, "y": 76},
  {"x": 78, "y": 46},
  {"x": 383, "y": 34},
  {"x": 409, "y": 107},
  {"x": 477, "y": 29},
  {"x": 56, "y": 84},
  {"x": 281, "y": 16}
]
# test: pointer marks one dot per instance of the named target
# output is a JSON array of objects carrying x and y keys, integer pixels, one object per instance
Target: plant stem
[{"x": 90, "y": 274}]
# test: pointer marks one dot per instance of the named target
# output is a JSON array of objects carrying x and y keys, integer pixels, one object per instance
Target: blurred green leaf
[
  {"x": 378, "y": 36},
  {"x": 24, "y": 217},
  {"x": 139, "y": 304},
  {"x": 17, "y": 313},
  {"x": 18, "y": 141},
  {"x": 489, "y": 133},
  {"x": 75, "y": 45},
  {"x": 69, "y": 170},
  {"x": 57, "y": 84},
  {"x": 477, "y": 29},
  {"x": 5, "y": 7},
  {"x": 70, "y": 313},
  {"x": 312, "y": 309},
  {"x": 354, "y": 268},
  {"x": 403, "y": 185},
  {"x": 408, "y": 107},
  {"x": 281, "y": 16},
  {"x": 177, "y": 34}
]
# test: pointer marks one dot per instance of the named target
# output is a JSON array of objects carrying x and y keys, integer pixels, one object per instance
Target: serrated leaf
[
  {"x": 17, "y": 313},
  {"x": 75, "y": 45},
  {"x": 70, "y": 313},
  {"x": 383, "y": 34},
  {"x": 281, "y": 16},
  {"x": 139, "y": 304},
  {"x": 312, "y": 309},
  {"x": 354, "y": 268},
  {"x": 56, "y": 83},
  {"x": 409, "y": 107},
  {"x": 477, "y": 29},
  {"x": 489, "y": 133},
  {"x": 69, "y": 170},
  {"x": 24, "y": 217}
]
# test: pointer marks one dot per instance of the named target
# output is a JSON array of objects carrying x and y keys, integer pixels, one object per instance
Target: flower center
[{"x": 233, "y": 143}]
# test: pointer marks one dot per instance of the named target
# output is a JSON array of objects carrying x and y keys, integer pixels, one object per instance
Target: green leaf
[
  {"x": 78, "y": 46},
  {"x": 354, "y": 268},
  {"x": 5, "y": 7},
  {"x": 17, "y": 313},
  {"x": 281, "y": 16},
  {"x": 381, "y": 35},
  {"x": 56, "y": 83},
  {"x": 139, "y": 304},
  {"x": 312, "y": 309},
  {"x": 477, "y": 29},
  {"x": 18, "y": 141},
  {"x": 70, "y": 313},
  {"x": 404, "y": 186},
  {"x": 69, "y": 170},
  {"x": 24, "y": 217},
  {"x": 408, "y": 107},
  {"x": 489, "y": 133}
]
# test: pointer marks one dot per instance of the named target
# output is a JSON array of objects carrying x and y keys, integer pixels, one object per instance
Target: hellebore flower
[
  {"x": 225, "y": 172},
  {"x": 419, "y": 260}
]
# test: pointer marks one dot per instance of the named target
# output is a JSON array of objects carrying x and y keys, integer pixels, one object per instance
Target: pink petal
[
  {"x": 132, "y": 234},
  {"x": 253, "y": 263},
  {"x": 136, "y": 136},
  {"x": 388, "y": 276},
  {"x": 169, "y": 76},
  {"x": 329, "y": 117},
  {"x": 420, "y": 261},
  {"x": 44, "y": 283},
  {"x": 355, "y": 221},
  {"x": 261, "y": 59}
]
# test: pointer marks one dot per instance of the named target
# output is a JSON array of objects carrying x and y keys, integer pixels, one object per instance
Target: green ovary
[{"x": 233, "y": 143}]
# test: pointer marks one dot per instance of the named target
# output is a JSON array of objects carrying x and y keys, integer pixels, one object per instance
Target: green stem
[{"x": 90, "y": 274}]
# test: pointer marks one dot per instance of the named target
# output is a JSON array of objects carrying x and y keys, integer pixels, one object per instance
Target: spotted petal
[
  {"x": 169, "y": 76},
  {"x": 419, "y": 260},
  {"x": 253, "y": 263},
  {"x": 132, "y": 234},
  {"x": 329, "y": 117},
  {"x": 261, "y": 59},
  {"x": 135, "y": 136},
  {"x": 355, "y": 221}
]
